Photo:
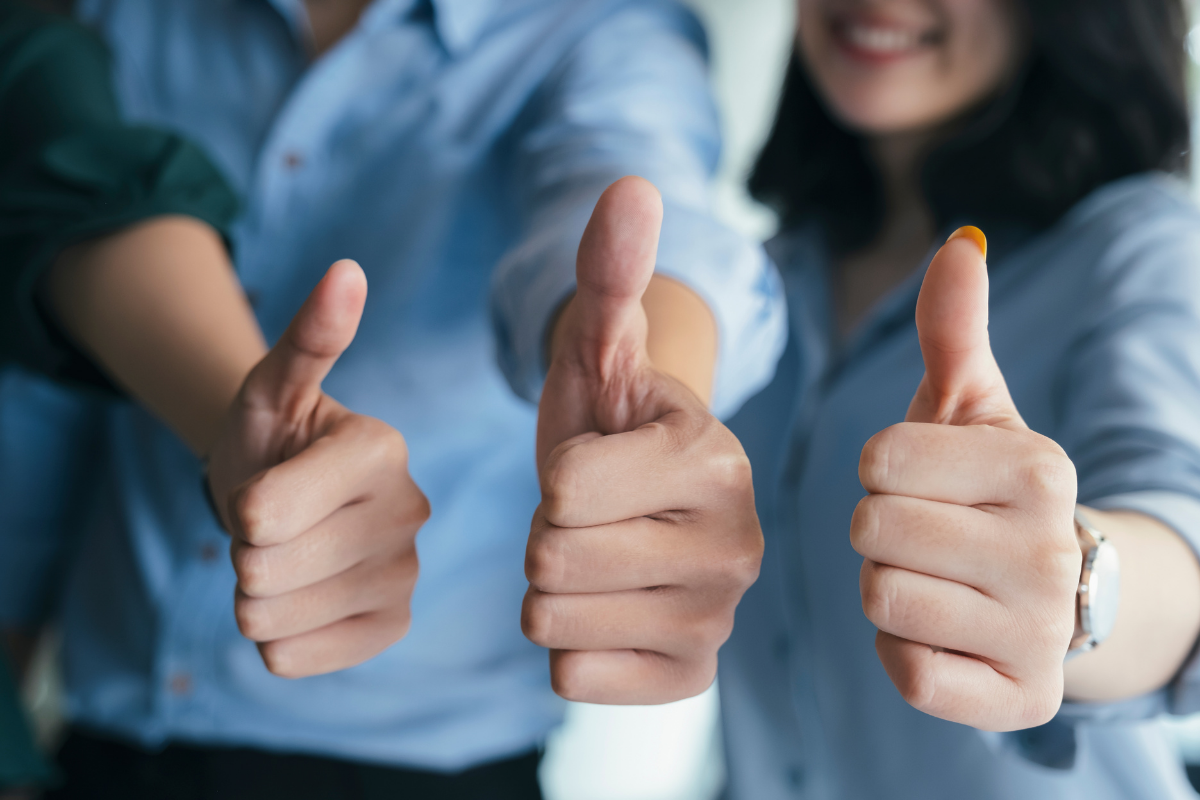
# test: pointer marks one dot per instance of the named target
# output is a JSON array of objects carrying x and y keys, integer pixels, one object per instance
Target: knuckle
[
  {"x": 402, "y": 572},
  {"x": 393, "y": 446},
  {"x": 282, "y": 661},
  {"x": 545, "y": 563},
  {"x": 1041, "y": 706},
  {"x": 561, "y": 485},
  {"x": 567, "y": 676},
  {"x": 1050, "y": 473},
  {"x": 397, "y": 623},
  {"x": 252, "y": 513},
  {"x": 879, "y": 600},
  {"x": 699, "y": 677},
  {"x": 876, "y": 463},
  {"x": 729, "y": 471},
  {"x": 253, "y": 618},
  {"x": 711, "y": 631},
  {"x": 865, "y": 525},
  {"x": 537, "y": 619},
  {"x": 253, "y": 571},
  {"x": 412, "y": 511},
  {"x": 918, "y": 686},
  {"x": 743, "y": 564}
]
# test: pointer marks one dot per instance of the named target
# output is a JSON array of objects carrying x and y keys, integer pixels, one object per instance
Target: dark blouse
[{"x": 70, "y": 169}]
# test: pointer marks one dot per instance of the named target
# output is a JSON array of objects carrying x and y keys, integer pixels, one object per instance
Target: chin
[{"x": 875, "y": 113}]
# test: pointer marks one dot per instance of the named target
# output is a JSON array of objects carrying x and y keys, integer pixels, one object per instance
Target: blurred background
[{"x": 673, "y": 752}]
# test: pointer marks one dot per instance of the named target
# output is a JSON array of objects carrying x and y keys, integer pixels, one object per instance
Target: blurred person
[
  {"x": 114, "y": 272},
  {"x": 457, "y": 151},
  {"x": 961, "y": 641}
]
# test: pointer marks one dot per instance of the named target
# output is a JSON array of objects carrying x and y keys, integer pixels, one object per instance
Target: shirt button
[
  {"x": 180, "y": 684},
  {"x": 208, "y": 553},
  {"x": 293, "y": 160}
]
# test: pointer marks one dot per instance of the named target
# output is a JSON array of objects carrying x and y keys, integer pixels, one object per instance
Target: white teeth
[{"x": 881, "y": 40}]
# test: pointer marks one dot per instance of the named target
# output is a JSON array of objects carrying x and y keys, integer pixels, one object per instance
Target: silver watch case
[{"x": 1099, "y": 593}]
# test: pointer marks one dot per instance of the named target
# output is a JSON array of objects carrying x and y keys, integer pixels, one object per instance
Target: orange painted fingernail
[{"x": 972, "y": 233}]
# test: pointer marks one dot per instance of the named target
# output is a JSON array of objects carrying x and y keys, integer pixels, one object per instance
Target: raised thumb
[
  {"x": 322, "y": 329},
  {"x": 963, "y": 384},
  {"x": 615, "y": 263}
]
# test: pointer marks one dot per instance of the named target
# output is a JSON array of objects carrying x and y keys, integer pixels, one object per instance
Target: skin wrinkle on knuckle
[
  {"x": 282, "y": 662},
  {"x": 537, "y": 620},
  {"x": 1048, "y": 475},
  {"x": 253, "y": 570},
  {"x": 875, "y": 463},
  {"x": 865, "y": 526},
  {"x": 545, "y": 562},
  {"x": 560, "y": 486},
  {"x": 878, "y": 597},
  {"x": 252, "y": 512},
  {"x": 253, "y": 619}
]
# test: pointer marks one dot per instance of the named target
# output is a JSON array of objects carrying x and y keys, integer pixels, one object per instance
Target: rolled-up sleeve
[
  {"x": 1131, "y": 406},
  {"x": 632, "y": 98},
  {"x": 70, "y": 170}
]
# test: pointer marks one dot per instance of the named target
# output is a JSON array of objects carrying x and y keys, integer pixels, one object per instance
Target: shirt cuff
[
  {"x": 1181, "y": 513},
  {"x": 733, "y": 276}
]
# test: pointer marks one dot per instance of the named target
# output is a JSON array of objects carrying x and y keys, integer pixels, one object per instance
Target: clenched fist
[
  {"x": 970, "y": 557},
  {"x": 318, "y": 500},
  {"x": 646, "y": 536}
]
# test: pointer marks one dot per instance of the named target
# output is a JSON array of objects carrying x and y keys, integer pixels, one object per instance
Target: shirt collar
[{"x": 458, "y": 22}]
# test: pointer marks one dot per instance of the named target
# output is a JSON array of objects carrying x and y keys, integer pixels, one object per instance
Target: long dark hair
[{"x": 1101, "y": 95}]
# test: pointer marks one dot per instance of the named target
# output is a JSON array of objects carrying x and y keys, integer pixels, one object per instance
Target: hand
[
  {"x": 970, "y": 557},
  {"x": 318, "y": 500},
  {"x": 646, "y": 537}
]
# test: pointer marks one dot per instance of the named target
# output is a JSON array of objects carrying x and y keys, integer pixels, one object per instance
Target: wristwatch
[{"x": 1099, "y": 591}]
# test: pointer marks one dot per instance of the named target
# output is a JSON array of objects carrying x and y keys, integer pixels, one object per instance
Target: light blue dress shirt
[
  {"x": 455, "y": 149},
  {"x": 1096, "y": 326}
]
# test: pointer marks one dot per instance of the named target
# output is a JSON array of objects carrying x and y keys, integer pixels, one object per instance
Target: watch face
[{"x": 1104, "y": 592}]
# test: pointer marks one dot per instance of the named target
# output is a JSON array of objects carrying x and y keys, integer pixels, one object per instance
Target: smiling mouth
[{"x": 873, "y": 40}]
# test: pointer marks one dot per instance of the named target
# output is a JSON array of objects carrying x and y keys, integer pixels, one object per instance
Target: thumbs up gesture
[
  {"x": 317, "y": 499},
  {"x": 970, "y": 556},
  {"x": 646, "y": 536}
]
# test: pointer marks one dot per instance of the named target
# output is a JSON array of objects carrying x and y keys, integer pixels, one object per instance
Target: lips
[{"x": 879, "y": 40}]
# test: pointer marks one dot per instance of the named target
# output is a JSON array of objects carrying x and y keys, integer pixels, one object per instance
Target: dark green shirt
[{"x": 71, "y": 169}]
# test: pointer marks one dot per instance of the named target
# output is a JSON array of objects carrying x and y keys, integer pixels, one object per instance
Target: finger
[
  {"x": 933, "y": 611},
  {"x": 667, "y": 620},
  {"x": 323, "y": 328},
  {"x": 945, "y": 540},
  {"x": 978, "y": 464},
  {"x": 614, "y": 266},
  {"x": 639, "y": 553},
  {"x": 685, "y": 461},
  {"x": 963, "y": 384},
  {"x": 365, "y": 588},
  {"x": 349, "y": 536},
  {"x": 358, "y": 459},
  {"x": 335, "y": 647},
  {"x": 966, "y": 690},
  {"x": 628, "y": 677}
]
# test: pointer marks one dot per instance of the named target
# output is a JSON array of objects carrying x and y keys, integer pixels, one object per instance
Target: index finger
[
  {"x": 684, "y": 462},
  {"x": 344, "y": 466}
]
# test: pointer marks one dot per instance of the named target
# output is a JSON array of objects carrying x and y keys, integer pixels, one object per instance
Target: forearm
[
  {"x": 682, "y": 335},
  {"x": 159, "y": 307},
  {"x": 1158, "y": 619}
]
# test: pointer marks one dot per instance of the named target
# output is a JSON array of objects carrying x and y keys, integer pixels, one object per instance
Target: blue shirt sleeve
[
  {"x": 632, "y": 98},
  {"x": 1131, "y": 401}
]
